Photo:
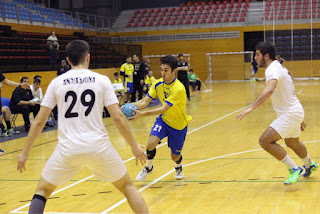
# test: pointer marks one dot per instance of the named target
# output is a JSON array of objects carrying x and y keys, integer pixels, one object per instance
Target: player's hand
[
  {"x": 242, "y": 114},
  {"x": 303, "y": 126},
  {"x": 25, "y": 85},
  {"x": 139, "y": 154},
  {"x": 136, "y": 116},
  {"x": 32, "y": 103},
  {"x": 141, "y": 82},
  {"x": 22, "y": 159}
]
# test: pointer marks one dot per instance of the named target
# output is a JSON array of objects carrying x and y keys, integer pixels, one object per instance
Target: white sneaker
[
  {"x": 179, "y": 173},
  {"x": 144, "y": 173}
]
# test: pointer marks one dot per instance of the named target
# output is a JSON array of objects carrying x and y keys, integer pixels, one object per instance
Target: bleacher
[
  {"x": 24, "y": 10},
  {"x": 299, "y": 9},
  {"x": 191, "y": 14},
  {"x": 25, "y": 50}
]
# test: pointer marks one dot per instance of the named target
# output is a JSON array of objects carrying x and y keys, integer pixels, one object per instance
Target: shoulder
[
  {"x": 178, "y": 86},
  {"x": 158, "y": 82}
]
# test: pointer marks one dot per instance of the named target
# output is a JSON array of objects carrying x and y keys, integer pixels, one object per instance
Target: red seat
[
  {"x": 243, "y": 15},
  {"x": 283, "y": 8},
  {"x": 195, "y": 21},
  {"x": 165, "y": 10},
  {"x": 170, "y": 14},
  {"x": 211, "y": 21},
  {"x": 234, "y": 19},
  {"x": 177, "y": 13},
  {"x": 186, "y": 8},
  {"x": 196, "y": 4},
  {"x": 242, "y": 19},
  {"x": 304, "y": 16},
  {"x": 281, "y": 13},
  {"x": 247, "y": 1},
  {"x": 240, "y": 1},
  {"x": 209, "y": 7},
  {"x": 189, "y": 4},
  {"x": 188, "y": 22},
  {"x": 182, "y": 18},
  {"x": 207, "y": 12},
  {"x": 237, "y": 10},
  {"x": 128, "y": 25},
  {"x": 216, "y": 7},
  {"x": 179, "y": 9},
  {"x": 160, "y": 19},
  {"x": 226, "y": 20},
  {"x": 158, "y": 23},
  {"x": 180, "y": 23},
  {"x": 244, "y": 10},
  {"x": 171, "y": 10},
  {"x": 151, "y": 11},
  {"x": 159, "y": 10},
  {"x": 313, "y": 16},
  {"x": 205, "y": 17},
  {"x": 201, "y": 8},
  {"x": 246, "y": 5},
  {"x": 229, "y": 11},
  {"x": 149, "y": 15},
  {"x": 194, "y": 8},
  {"x": 150, "y": 24},
  {"x": 214, "y": 12},
  {"x": 185, "y": 13},
  {"x": 175, "y": 18},
  {"x": 143, "y": 24},
  {"x": 192, "y": 13},
  {"x": 197, "y": 17},
  {"x": 232, "y": 2},
  {"x": 318, "y": 16},
  {"x": 231, "y": 6},
  {"x": 288, "y": 17},
  {"x": 222, "y": 11},
  {"x": 199, "y": 12},
  {"x": 168, "y": 18},
  {"x": 220, "y": 16},
  {"x": 218, "y": 2},
  {"x": 190, "y": 17},
  {"x": 305, "y": 12},
  {"x": 280, "y": 17},
  {"x": 296, "y": 17},
  {"x": 172, "y": 22},
  {"x": 182, "y": 4},
  {"x": 144, "y": 11},
  {"x": 297, "y": 12},
  {"x": 153, "y": 19},
  {"x": 298, "y": 2},
  {"x": 225, "y": 2},
  {"x": 146, "y": 20},
  {"x": 212, "y": 16},
  {"x": 235, "y": 15},
  {"x": 165, "y": 23},
  {"x": 203, "y": 3},
  {"x": 135, "y": 25},
  {"x": 137, "y": 12},
  {"x": 131, "y": 21},
  {"x": 306, "y": 2},
  {"x": 141, "y": 15},
  {"x": 223, "y": 6},
  {"x": 218, "y": 20},
  {"x": 227, "y": 15},
  {"x": 211, "y": 3}
]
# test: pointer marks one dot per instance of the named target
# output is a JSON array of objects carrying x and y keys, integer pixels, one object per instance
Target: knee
[
  {"x": 174, "y": 157},
  {"x": 263, "y": 142},
  {"x": 291, "y": 145},
  {"x": 5, "y": 109}
]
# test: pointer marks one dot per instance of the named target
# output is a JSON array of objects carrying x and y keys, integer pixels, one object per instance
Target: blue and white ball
[{"x": 127, "y": 109}]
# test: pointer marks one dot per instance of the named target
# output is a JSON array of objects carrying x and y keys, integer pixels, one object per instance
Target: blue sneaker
[
  {"x": 294, "y": 175},
  {"x": 313, "y": 167}
]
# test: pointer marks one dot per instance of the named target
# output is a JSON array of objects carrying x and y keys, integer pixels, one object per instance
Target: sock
[
  {"x": 289, "y": 162},
  {"x": 37, "y": 204},
  {"x": 8, "y": 124},
  {"x": 178, "y": 163},
  {"x": 2, "y": 128},
  {"x": 307, "y": 161},
  {"x": 150, "y": 155}
]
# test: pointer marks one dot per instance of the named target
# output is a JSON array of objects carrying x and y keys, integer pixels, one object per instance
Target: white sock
[
  {"x": 178, "y": 165},
  {"x": 149, "y": 164},
  {"x": 289, "y": 162},
  {"x": 306, "y": 161}
]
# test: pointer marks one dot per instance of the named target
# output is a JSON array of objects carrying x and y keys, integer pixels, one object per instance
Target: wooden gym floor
[{"x": 225, "y": 169}]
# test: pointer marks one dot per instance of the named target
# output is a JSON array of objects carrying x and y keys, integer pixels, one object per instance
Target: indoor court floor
[{"x": 225, "y": 169}]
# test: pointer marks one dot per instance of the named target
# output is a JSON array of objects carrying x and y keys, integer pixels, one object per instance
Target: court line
[
  {"x": 285, "y": 188},
  {"x": 14, "y": 211},
  {"x": 190, "y": 164}
]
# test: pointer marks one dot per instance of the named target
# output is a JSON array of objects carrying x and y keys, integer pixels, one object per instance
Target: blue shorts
[
  {"x": 176, "y": 137},
  {"x": 129, "y": 87},
  {"x": 255, "y": 70}
]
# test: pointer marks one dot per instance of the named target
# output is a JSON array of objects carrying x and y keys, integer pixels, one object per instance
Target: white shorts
[
  {"x": 105, "y": 165},
  {"x": 288, "y": 125}
]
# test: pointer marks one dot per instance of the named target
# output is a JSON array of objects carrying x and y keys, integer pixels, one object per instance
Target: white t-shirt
[
  {"x": 80, "y": 96},
  {"x": 52, "y": 38},
  {"x": 37, "y": 93},
  {"x": 283, "y": 99}
]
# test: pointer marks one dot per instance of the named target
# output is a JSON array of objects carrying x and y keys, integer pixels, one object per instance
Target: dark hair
[
  {"x": 180, "y": 54},
  {"x": 116, "y": 74},
  {"x": 137, "y": 55},
  {"x": 77, "y": 50},
  {"x": 170, "y": 60},
  {"x": 128, "y": 56},
  {"x": 23, "y": 78},
  {"x": 267, "y": 48},
  {"x": 37, "y": 81},
  {"x": 36, "y": 77},
  {"x": 191, "y": 69}
]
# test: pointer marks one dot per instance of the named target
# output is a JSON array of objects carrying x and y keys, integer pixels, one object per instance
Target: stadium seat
[
  {"x": 177, "y": 13},
  {"x": 128, "y": 25},
  {"x": 201, "y": 8},
  {"x": 171, "y": 10},
  {"x": 146, "y": 20},
  {"x": 186, "y": 9},
  {"x": 245, "y": 10},
  {"x": 312, "y": 16},
  {"x": 192, "y": 13},
  {"x": 225, "y": 2},
  {"x": 189, "y": 4},
  {"x": 211, "y": 21},
  {"x": 190, "y": 17},
  {"x": 223, "y": 6},
  {"x": 218, "y": 20},
  {"x": 199, "y": 12},
  {"x": 144, "y": 11},
  {"x": 227, "y": 15},
  {"x": 151, "y": 11},
  {"x": 165, "y": 23},
  {"x": 185, "y": 13},
  {"x": 231, "y": 6},
  {"x": 216, "y": 7},
  {"x": 180, "y": 23},
  {"x": 137, "y": 12},
  {"x": 135, "y": 25},
  {"x": 182, "y": 4},
  {"x": 203, "y": 3},
  {"x": 195, "y": 21},
  {"x": 229, "y": 11},
  {"x": 207, "y": 12},
  {"x": 218, "y": 2},
  {"x": 240, "y": 1},
  {"x": 194, "y": 8},
  {"x": 182, "y": 18},
  {"x": 180, "y": 9},
  {"x": 159, "y": 10},
  {"x": 296, "y": 17},
  {"x": 175, "y": 18},
  {"x": 210, "y": 3},
  {"x": 172, "y": 22},
  {"x": 235, "y": 15},
  {"x": 143, "y": 24},
  {"x": 205, "y": 17},
  {"x": 203, "y": 21},
  {"x": 188, "y": 22},
  {"x": 165, "y": 10},
  {"x": 158, "y": 23},
  {"x": 288, "y": 17},
  {"x": 150, "y": 24},
  {"x": 220, "y": 16},
  {"x": 168, "y": 18},
  {"x": 196, "y": 4},
  {"x": 304, "y": 16},
  {"x": 209, "y": 7},
  {"x": 197, "y": 17},
  {"x": 160, "y": 19},
  {"x": 243, "y": 15},
  {"x": 212, "y": 16}
]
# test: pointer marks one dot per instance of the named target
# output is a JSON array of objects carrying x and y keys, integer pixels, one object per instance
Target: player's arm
[
  {"x": 183, "y": 68},
  {"x": 123, "y": 126},
  {"x": 156, "y": 111},
  {"x": 15, "y": 84},
  {"x": 35, "y": 130},
  {"x": 264, "y": 95},
  {"x": 143, "y": 102}
]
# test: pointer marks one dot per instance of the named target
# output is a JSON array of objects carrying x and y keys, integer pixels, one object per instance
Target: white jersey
[
  {"x": 80, "y": 96},
  {"x": 283, "y": 99},
  {"x": 37, "y": 93}
]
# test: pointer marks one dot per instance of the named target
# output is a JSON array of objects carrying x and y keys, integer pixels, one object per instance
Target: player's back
[{"x": 81, "y": 96}]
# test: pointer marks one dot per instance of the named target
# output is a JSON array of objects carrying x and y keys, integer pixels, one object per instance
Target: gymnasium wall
[
  {"x": 46, "y": 77},
  {"x": 225, "y": 68}
]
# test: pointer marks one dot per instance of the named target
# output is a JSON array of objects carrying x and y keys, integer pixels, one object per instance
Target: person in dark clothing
[
  {"x": 22, "y": 102},
  {"x": 138, "y": 77},
  {"x": 64, "y": 68},
  {"x": 183, "y": 68}
]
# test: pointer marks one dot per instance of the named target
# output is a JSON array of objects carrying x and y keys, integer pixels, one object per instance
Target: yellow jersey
[
  {"x": 118, "y": 81},
  {"x": 127, "y": 69},
  {"x": 173, "y": 94},
  {"x": 149, "y": 80}
]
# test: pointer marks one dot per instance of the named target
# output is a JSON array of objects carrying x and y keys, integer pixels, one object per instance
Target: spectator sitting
[
  {"x": 36, "y": 90},
  {"x": 64, "y": 68},
  {"x": 7, "y": 117},
  {"x": 194, "y": 80},
  {"x": 119, "y": 93},
  {"x": 22, "y": 102},
  {"x": 149, "y": 81}
]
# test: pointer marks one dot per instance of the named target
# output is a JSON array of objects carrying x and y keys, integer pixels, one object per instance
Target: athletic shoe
[
  {"x": 294, "y": 175},
  {"x": 313, "y": 167},
  {"x": 1, "y": 152},
  {"x": 144, "y": 173},
  {"x": 179, "y": 173}
]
